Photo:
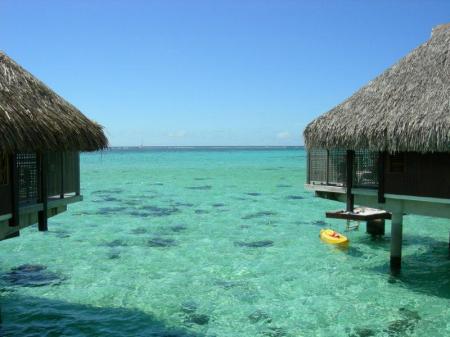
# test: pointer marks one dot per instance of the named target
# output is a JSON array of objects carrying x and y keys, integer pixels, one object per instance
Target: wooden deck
[
  {"x": 360, "y": 214},
  {"x": 29, "y": 214}
]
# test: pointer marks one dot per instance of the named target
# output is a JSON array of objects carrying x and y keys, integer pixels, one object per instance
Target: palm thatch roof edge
[
  {"x": 406, "y": 108},
  {"x": 34, "y": 118}
]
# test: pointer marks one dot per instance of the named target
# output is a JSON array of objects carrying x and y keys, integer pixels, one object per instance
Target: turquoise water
[{"x": 216, "y": 243}]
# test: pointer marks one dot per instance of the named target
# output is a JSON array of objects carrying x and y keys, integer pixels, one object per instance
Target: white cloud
[
  {"x": 283, "y": 135},
  {"x": 177, "y": 134}
]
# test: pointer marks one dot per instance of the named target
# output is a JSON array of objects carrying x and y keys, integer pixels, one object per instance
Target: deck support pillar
[
  {"x": 381, "y": 168},
  {"x": 349, "y": 181},
  {"x": 396, "y": 240},
  {"x": 375, "y": 227}
]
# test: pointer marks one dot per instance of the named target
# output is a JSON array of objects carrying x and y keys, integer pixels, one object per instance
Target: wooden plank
[
  {"x": 77, "y": 173},
  {"x": 54, "y": 173},
  {"x": 424, "y": 175},
  {"x": 355, "y": 216},
  {"x": 71, "y": 172},
  {"x": 58, "y": 202},
  {"x": 14, "y": 191},
  {"x": 308, "y": 169},
  {"x": 61, "y": 193},
  {"x": 11, "y": 235},
  {"x": 381, "y": 172},
  {"x": 349, "y": 178},
  {"x": 5, "y": 185},
  {"x": 42, "y": 215}
]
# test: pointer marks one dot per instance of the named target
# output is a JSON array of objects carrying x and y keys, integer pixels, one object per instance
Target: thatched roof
[
  {"x": 406, "y": 108},
  {"x": 34, "y": 118}
]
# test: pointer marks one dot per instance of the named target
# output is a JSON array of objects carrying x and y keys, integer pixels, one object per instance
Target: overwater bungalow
[
  {"x": 388, "y": 145},
  {"x": 40, "y": 140}
]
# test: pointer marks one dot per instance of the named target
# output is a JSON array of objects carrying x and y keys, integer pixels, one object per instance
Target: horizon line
[{"x": 195, "y": 146}]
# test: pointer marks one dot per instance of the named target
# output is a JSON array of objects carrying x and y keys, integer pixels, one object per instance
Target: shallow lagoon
[{"x": 215, "y": 243}]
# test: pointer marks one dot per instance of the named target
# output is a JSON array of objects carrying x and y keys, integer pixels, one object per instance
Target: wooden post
[
  {"x": 15, "y": 220},
  {"x": 308, "y": 169},
  {"x": 42, "y": 215},
  {"x": 328, "y": 166},
  {"x": 381, "y": 168},
  {"x": 77, "y": 173},
  {"x": 396, "y": 241},
  {"x": 350, "y": 198},
  {"x": 375, "y": 227},
  {"x": 61, "y": 194}
]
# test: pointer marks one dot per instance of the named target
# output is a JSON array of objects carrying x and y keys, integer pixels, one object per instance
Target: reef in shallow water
[
  {"x": 161, "y": 242},
  {"x": 405, "y": 325},
  {"x": 178, "y": 228},
  {"x": 258, "y": 215},
  {"x": 295, "y": 197},
  {"x": 254, "y": 244},
  {"x": 259, "y": 316},
  {"x": 31, "y": 275},
  {"x": 200, "y": 188},
  {"x": 191, "y": 316}
]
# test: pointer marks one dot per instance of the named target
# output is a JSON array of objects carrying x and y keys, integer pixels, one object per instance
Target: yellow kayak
[{"x": 333, "y": 237}]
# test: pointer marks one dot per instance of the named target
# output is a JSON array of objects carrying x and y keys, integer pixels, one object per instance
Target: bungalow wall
[
  {"x": 416, "y": 174},
  {"x": 405, "y": 173},
  {"x": 5, "y": 187},
  {"x": 21, "y": 182}
]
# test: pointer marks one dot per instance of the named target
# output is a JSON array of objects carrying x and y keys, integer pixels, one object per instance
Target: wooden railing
[{"x": 329, "y": 167}]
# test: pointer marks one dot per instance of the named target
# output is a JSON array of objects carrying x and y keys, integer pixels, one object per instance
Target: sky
[{"x": 195, "y": 73}]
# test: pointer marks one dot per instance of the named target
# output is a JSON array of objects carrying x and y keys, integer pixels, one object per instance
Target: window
[
  {"x": 365, "y": 169},
  {"x": 3, "y": 169},
  {"x": 27, "y": 174},
  {"x": 397, "y": 163}
]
